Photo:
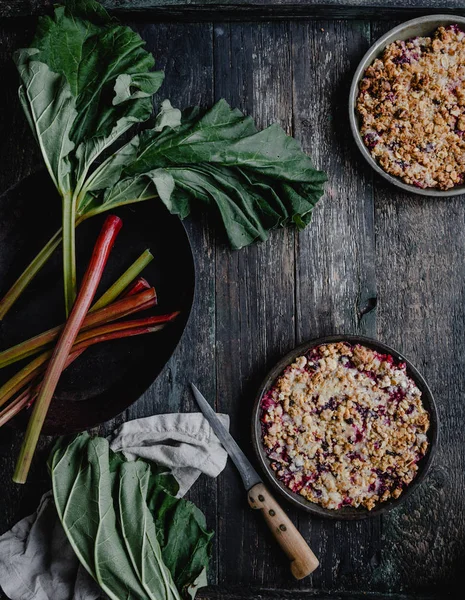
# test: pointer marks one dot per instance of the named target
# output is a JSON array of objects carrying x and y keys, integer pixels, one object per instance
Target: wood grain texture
[
  {"x": 240, "y": 10},
  {"x": 374, "y": 261},
  {"x": 420, "y": 250},
  {"x": 254, "y": 294},
  {"x": 247, "y": 593}
]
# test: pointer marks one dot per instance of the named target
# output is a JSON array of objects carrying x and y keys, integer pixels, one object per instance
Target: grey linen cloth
[{"x": 36, "y": 559}]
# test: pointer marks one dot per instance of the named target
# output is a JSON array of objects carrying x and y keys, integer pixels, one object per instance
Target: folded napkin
[{"x": 36, "y": 559}]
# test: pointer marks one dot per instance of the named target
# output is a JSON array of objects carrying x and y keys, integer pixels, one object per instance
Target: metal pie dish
[
  {"x": 346, "y": 512},
  {"x": 422, "y": 27}
]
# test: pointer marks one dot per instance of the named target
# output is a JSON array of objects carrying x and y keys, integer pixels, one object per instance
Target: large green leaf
[
  {"x": 129, "y": 531},
  {"x": 50, "y": 110},
  {"x": 86, "y": 81},
  {"x": 108, "y": 71},
  {"x": 257, "y": 180}
]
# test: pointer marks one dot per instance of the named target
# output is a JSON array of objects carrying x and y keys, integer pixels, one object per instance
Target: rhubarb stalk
[
  {"x": 28, "y": 274},
  {"x": 26, "y": 397},
  {"x": 122, "y": 283},
  {"x": 117, "y": 310},
  {"x": 86, "y": 294},
  {"x": 83, "y": 340}
]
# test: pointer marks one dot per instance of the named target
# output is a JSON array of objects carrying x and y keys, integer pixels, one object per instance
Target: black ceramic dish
[
  {"x": 345, "y": 512},
  {"x": 109, "y": 377}
]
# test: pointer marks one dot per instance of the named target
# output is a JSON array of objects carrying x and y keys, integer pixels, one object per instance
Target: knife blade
[
  {"x": 249, "y": 475},
  {"x": 303, "y": 561}
]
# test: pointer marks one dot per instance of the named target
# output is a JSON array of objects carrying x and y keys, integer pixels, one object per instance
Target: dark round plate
[
  {"x": 345, "y": 512},
  {"x": 109, "y": 377}
]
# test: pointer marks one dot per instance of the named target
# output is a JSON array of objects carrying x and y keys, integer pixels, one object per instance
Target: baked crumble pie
[
  {"x": 412, "y": 109},
  {"x": 345, "y": 426}
]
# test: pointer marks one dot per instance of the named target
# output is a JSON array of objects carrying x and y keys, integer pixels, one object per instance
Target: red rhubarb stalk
[
  {"x": 18, "y": 404},
  {"x": 35, "y": 367},
  {"x": 121, "y": 308},
  {"x": 139, "y": 285},
  {"x": 28, "y": 396},
  {"x": 61, "y": 352},
  {"x": 124, "y": 325}
]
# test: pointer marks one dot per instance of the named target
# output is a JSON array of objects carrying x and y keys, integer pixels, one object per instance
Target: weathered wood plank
[
  {"x": 421, "y": 311},
  {"x": 245, "y": 593},
  {"x": 214, "y": 10},
  {"x": 335, "y": 255},
  {"x": 255, "y": 296},
  {"x": 420, "y": 259},
  {"x": 184, "y": 52}
]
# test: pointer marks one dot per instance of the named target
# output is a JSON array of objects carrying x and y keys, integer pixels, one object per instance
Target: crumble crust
[{"x": 345, "y": 426}]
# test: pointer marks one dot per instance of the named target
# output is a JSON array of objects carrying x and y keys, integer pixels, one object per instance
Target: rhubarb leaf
[
  {"x": 92, "y": 78},
  {"x": 167, "y": 117},
  {"x": 187, "y": 561},
  {"x": 125, "y": 524},
  {"x": 254, "y": 180},
  {"x": 135, "y": 189},
  {"x": 50, "y": 109},
  {"x": 108, "y": 71},
  {"x": 257, "y": 180}
]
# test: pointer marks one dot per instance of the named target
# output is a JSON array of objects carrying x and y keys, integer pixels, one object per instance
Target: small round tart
[
  {"x": 345, "y": 426},
  {"x": 411, "y": 104}
]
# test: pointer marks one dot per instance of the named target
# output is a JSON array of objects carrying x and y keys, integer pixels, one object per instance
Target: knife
[{"x": 303, "y": 561}]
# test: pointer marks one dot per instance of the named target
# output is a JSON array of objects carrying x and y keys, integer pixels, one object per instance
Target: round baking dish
[
  {"x": 346, "y": 512},
  {"x": 423, "y": 26}
]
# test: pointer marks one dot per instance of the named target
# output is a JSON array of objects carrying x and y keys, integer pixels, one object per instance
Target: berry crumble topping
[
  {"x": 412, "y": 109},
  {"x": 345, "y": 426}
]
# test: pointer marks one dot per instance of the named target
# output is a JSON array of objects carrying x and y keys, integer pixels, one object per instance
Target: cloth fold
[{"x": 36, "y": 559}]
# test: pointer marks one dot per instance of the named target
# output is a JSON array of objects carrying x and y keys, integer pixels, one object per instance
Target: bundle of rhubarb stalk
[
  {"x": 87, "y": 89},
  {"x": 87, "y": 325}
]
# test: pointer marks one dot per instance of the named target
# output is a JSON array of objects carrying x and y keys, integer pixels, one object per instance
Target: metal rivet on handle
[
  {"x": 271, "y": 512},
  {"x": 261, "y": 498},
  {"x": 283, "y": 527}
]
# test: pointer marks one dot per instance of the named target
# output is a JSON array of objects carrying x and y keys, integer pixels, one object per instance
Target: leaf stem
[
  {"x": 69, "y": 250},
  {"x": 91, "y": 280}
]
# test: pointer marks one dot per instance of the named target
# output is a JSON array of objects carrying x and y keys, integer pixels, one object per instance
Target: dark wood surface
[
  {"x": 240, "y": 10},
  {"x": 374, "y": 261}
]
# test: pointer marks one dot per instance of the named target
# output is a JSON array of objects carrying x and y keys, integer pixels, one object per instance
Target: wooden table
[{"x": 374, "y": 261}]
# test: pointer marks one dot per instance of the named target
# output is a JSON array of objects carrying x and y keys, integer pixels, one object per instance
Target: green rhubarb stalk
[
  {"x": 23, "y": 377},
  {"x": 69, "y": 250},
  {"x": 97, "y": 336},
  {"x": 28, "y": 274},
  {"x": 61, "y": 352},
  {"x": 117, "y": 310},
  {"x": 83, "y": 340},
  {"x": 122, "y": 283}
]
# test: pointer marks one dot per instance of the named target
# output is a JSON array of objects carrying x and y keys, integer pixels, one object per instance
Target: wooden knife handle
[{"x": 303, "y": 561}]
